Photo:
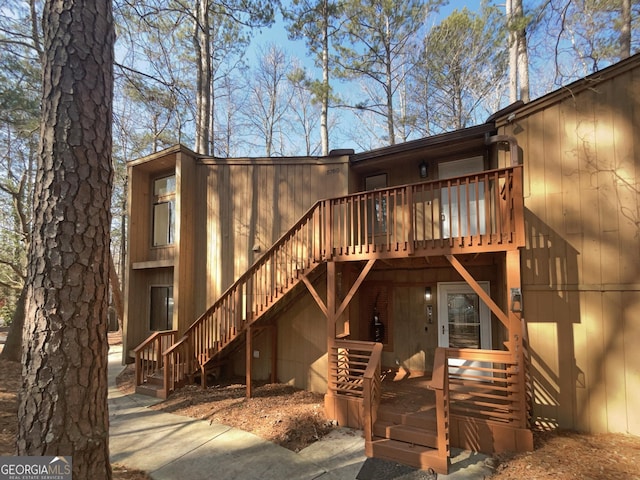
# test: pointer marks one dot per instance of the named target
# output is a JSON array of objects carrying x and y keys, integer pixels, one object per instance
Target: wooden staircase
[
  {"x": 408, "y": 438},
  {"x": 154, "y": 386}
]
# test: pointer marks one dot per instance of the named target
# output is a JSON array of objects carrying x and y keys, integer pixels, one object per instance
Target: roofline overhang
[
  {"x": 456, "y": 137},
  {"x": 179, "y": 148}
]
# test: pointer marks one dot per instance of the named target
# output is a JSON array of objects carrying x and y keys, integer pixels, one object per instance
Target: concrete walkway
[{"x": 169, "y": 446}]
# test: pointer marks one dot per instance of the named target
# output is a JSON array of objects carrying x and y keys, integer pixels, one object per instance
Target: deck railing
[
  {"x": 472, "y": 213},
  {"x": 354, "y": 372},
  {"x": 481, "y": 384},
  {"x": 478, "y": 212}
]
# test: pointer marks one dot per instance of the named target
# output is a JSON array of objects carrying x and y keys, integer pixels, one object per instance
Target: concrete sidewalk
[{"x": 169, "y": 446}]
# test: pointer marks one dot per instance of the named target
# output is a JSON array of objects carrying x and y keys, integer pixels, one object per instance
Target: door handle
[{"x": 443, "y": 329}]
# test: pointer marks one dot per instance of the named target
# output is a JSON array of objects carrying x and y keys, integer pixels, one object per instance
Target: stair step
[
  {"x": 413, "y": 455},
  {"x": 151, "y": 390},
  {"x": 406, "y": 433},
  {"x": 155, "y": 379},
  {"x": 425, "y": 420}
]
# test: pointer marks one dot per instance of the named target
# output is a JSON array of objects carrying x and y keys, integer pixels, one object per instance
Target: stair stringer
[{"x": 289, "y": 297}]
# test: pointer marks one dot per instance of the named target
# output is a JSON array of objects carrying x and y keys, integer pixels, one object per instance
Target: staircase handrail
[
  {"x": 197, "y": 353},
  {"x": 149, "y": 354}
]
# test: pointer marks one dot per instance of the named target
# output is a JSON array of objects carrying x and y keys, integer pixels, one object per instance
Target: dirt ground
[{"x": 294, "y": 419}]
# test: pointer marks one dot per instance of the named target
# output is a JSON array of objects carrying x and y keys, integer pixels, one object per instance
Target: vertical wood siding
[
  {"x": 252, "y": 203},
  {"x": 581, "y": 265}
]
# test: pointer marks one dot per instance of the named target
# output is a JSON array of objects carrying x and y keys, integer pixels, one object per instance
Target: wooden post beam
[
  {"x": 352, "y": 291},
  {"x": 249, "y": 360},
  {"x": 316, "y": 296},
  {"x": 354, "y": 288},
  {"x": 464, "y": 273},
  {"x": 517, "y": 331},
  {"x": 274, "y": 354}
]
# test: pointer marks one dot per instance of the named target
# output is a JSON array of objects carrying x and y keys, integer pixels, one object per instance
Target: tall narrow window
[
  {"x": 161, "y": 311},
  {"x": 164, "y": 190}
]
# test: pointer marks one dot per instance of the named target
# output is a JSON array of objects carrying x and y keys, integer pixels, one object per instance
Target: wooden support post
[
  {"x": 516, "y": 331},
  {"x": 274, "y": 353},
  {"x": 331, "y": 313},
  {"x": 331, "y": 303},
  {"x": 249, "y": 359}
]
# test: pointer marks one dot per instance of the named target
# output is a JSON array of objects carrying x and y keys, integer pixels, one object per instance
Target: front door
[{"x": 464, "y": 321}]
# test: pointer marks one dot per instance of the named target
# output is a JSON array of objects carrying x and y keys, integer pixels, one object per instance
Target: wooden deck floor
[{"x": 407, "y": 394}]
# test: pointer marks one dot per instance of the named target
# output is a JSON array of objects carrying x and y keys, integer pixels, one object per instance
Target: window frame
[
  {"x": 163, "y": 236},
  {"x": 169, "y": 305}
]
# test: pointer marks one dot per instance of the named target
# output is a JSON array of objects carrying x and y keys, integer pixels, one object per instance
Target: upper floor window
[
  {"x": 164, "y": 192},
  {"x": 378, "y": 221}
]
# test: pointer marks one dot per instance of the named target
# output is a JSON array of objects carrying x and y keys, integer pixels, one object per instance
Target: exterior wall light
[
  {"x": 516, "y": 300},
  {"x": 427, "y": 294},
  {"x": 428, "y": 298},
  {"x": 424, "y": 169}
]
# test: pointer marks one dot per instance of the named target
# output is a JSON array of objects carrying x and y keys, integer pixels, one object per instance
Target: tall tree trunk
[
  {"x": 324, "y": 105},
  {"x": 625, "y": 30},
  {"x": 518, "y": 55},
  {"x": 523, "y": 55},
  {"x": 513, "y": 53},
  {"x": 63, "y": 402},
  {"x": 201, "y": 42},
  {"x": 389, "y": 89},
  {"x": 116, "y": 291},
  {"x": 12, "y": 349}
]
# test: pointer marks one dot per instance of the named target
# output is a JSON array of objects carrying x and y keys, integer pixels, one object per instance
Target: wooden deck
[{"x": 408, "y": 394}]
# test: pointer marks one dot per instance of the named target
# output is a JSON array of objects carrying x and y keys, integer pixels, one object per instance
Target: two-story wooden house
[{"x": 492, "y": 272}]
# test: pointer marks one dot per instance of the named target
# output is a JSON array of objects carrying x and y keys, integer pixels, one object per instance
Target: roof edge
[
  {"x": 178, "y": 148},
  {"x": 442, "y": 138},
  {"x": 590, "y": 81}
]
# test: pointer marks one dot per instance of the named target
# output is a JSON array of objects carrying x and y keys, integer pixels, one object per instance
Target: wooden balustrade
[
  {"x": 268, "y": 280},
  {"x": 355, "y": 384},
  {"x": 486, "y": 384},
  {"x": 148, "y": 355},
  {"x": 478, "y": 390},
  {"x": 472, "y": 213}
]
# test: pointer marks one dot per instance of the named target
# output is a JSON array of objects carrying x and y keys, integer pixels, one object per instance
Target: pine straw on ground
[
  {"x": 569, "y": 455},
  {"x": 280, "y": 413}
]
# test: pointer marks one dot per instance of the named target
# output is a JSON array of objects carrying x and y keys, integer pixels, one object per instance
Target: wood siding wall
[
  {"x": 250, "y": 204},
  {"x": 228, "y": 213},
  {"x": 581, "y": 265},
  {"x": 141, "y": 256}
]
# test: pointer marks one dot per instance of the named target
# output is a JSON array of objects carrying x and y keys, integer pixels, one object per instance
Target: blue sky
[{"x": 277, "y": 34}]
